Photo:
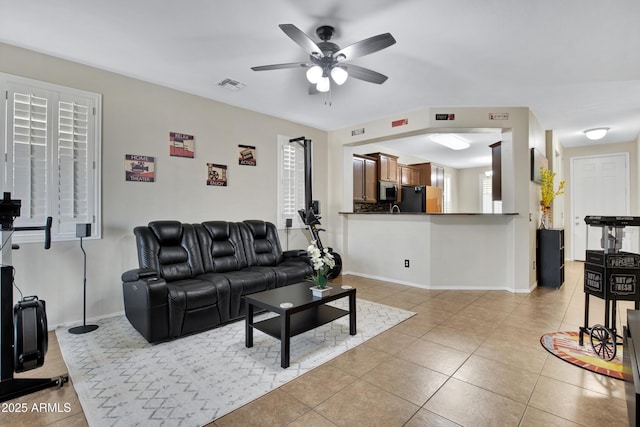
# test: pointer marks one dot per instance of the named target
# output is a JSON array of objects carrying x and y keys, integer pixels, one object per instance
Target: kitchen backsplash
[{"x": 371, "y": 207}]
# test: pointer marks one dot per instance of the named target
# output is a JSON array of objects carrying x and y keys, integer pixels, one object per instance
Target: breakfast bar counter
[{"x": 466, "y": 251}]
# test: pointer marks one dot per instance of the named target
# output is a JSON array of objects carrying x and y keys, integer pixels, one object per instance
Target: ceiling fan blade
[
  {"x": 302, "y": 40},
  {"x": 282, "y": 66},
  {"x": 366, "y": 46},
  {"x": 364, "y": 74}
]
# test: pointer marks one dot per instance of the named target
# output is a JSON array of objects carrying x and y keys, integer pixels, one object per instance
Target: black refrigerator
[{"x": 414, "y": 198}]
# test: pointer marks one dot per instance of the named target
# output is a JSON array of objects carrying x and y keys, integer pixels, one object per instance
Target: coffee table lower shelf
[{"x": 301, "y": 322}]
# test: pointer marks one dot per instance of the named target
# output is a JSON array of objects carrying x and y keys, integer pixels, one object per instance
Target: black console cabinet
[{"x": 550, "y": 258}]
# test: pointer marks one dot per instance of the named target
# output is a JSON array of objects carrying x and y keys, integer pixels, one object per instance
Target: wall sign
[
  {"x": 139, "y": 168},
  {"x": 182, "y": 145},
  {"x": 247, "y": 155},
  {"x": 216, "y": 175},
  {"x": 498, "y": 116},
  {"x": 445, "y": 116},
  {"x": 357, "y": 132},
  {"x": 400, "y": 122}
]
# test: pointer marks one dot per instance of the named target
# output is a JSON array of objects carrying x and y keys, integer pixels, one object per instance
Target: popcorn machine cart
[{"x": 612, "y": 275}]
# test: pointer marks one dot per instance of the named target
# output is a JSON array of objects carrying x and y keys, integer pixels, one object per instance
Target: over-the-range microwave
[{"x": 387, "y": 191}]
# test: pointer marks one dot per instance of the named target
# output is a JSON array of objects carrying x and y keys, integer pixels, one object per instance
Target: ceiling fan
[{"x": 327, "y": 59}]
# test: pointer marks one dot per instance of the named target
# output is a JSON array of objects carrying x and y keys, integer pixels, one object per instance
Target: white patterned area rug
[{"x": 122, "y": 380}]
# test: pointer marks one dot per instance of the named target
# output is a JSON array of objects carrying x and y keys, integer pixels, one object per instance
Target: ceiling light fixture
[
  {"x": 314, "y": 74},
  {"x": 450, "y": 140},
  {"x": 596, "y": 133},
  {"x": 318, "y": 76},
  {"x": 323, "y": 84},
  {"x": 339, "y": 75}
]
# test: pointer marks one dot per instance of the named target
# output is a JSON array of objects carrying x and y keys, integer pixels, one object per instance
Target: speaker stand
[{"x": 84, "y": 328}]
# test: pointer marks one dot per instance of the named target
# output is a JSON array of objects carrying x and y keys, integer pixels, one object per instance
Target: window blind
[
  {"x": 73, "y": 165},
  {"x": 486, "y": 199},
  {"x": 485, "y": 194},
  {"x": 30, "y": 137},
  {"x": 447, "y": 204},
  {"x": 291, "y": 179}
]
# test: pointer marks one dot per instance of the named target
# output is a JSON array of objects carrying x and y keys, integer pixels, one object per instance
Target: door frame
[{"x": 572, "y": 190}]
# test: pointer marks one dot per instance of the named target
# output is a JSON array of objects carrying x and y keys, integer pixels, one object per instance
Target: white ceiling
[
  {"x": 575, "y": 63},
  {"x": 420, "y": 148}
]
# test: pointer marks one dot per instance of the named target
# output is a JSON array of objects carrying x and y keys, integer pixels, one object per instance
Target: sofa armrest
[
  {"x": 137, "y": 274},
  {"x": 295, "y": 253},
  {"x": 146, "y": 304}
]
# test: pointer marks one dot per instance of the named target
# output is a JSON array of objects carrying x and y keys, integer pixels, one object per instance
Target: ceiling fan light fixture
[
  {"x": 323, "y": 84},
  {"x": 339, "y": 75},
  {"x": 314, "y": 74},
  {"x": 450, "y": 140},
  {"x": 596, "y": 133}
]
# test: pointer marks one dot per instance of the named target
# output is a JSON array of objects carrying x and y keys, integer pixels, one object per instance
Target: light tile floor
[{"x": 469, "y": 358}]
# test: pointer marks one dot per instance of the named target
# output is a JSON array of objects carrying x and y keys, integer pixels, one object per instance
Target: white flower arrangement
[{"x": 322, "y": 262}]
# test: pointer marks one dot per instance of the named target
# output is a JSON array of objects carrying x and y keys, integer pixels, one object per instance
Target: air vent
[{"x": 231, "y": 84}]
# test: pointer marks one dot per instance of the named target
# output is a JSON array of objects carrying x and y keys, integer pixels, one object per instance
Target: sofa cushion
[
  {"x": 192, "y": 296},
  {"x": 262, "y": 247},
  {"x": 241, "y": 283},
  {"x": 262, "y": 244},
  {"x": 222, "y": 246},
  {"x": 170, "y": 248}
]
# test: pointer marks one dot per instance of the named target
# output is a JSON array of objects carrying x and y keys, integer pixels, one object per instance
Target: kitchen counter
[{"x": 463, "y": 251}]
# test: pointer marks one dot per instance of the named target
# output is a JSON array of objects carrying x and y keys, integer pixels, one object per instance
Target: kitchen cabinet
[
  {"x": 409, "y": 175},
  {"x": 430, "y": 174},
  {"x": 434, "y": 199},
  {"x": 496, "y": 171},
  {"x": 387, "y": 166},
  {"x": 365, "y": 179}
]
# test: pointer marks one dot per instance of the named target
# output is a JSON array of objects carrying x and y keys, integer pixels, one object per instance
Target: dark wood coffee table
[{"x": 306, "y": 312}]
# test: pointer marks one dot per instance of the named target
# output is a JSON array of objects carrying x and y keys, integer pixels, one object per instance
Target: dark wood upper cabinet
[
  {"x": 387, "y": 166},
  {"x": 496, "y": 168},
  {"x": 364, "y": 179}
]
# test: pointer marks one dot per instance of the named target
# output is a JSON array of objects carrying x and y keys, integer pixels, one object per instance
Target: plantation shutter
[
  {"x": 74, "y": 164},
  {"x": 488, "y": 205},
  {"x": 52, "y": 153},
  {"x": 291, "y": 188},
  {"x": 485, "y": 190},
  {"x": 28, "y": 181},
  {"x": 447, "y": 202}
]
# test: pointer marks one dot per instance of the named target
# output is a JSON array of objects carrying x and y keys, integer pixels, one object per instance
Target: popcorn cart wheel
[{"x": 603, "y": 341}]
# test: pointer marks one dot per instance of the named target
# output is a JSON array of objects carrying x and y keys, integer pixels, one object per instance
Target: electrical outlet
[
  {"x": 406, "y": 263},
  {"x": 534, "y": 264}
]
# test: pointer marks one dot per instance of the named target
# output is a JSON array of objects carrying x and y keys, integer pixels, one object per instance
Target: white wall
[{"x": 137, "y": 119}]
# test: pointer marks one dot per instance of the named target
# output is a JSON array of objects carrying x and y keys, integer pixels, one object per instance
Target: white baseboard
[{"x": 439, "y": 288}]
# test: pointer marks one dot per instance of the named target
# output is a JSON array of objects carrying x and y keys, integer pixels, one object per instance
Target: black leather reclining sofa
[{"x": 194, "y": 277}]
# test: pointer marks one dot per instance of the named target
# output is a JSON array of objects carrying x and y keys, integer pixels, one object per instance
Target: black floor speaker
[{"x": 30, "y": 334}]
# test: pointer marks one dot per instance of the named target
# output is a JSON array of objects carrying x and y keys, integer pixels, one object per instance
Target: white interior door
[{"x": 599, "y": 186}]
